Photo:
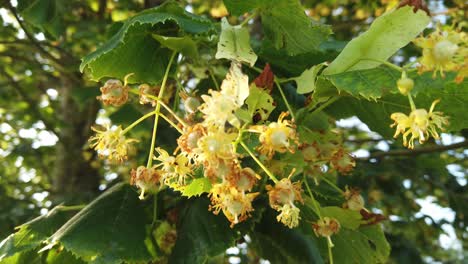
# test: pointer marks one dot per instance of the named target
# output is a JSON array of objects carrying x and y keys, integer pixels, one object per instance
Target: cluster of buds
[{"x": 326, "y": 154}]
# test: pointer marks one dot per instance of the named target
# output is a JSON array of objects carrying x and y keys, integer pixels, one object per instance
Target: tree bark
[{"x": 74, "y": 178}]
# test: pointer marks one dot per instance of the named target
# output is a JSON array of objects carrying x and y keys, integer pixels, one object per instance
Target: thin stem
[
  {"x": 247, "y": 19},
  {"x": 155, "y": 209},
  {"x": 410, "y": 98},
  {"x": 213, "y": 78},
  {"x": 332, "y": 185},
  {"x": 171, "y": 123},
  {"x": 285, "y": 100},
  {"x": 264, "y": 168},
  {"x": 177, "y": 96},
  {"x": 138, "y": 121},
  {"x": 163, "y": 105},
  {"x": 157, "y": 110},
  {"x": 72, "y": 208},
  {"x": 317, "y": 208},
  {"x": 391, "y": 65},
  {"x": 326, "y": 104},
  {"x": 330, "y": 253}
]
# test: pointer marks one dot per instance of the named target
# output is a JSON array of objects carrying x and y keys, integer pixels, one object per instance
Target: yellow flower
[
  {"x": 188, "y": 141},
  {"x": 420, "y": 124},
  {"x": 442, "y": 51},
  {"x": 111, "y": 143},
  {"x": 148, "y": 180},
  {"x": 176, "y": 168},
  {"x": 217, "y": 144},
  {"x": 289, "y": 215},
  {"x": 244, "y": 180},
  {"x": 277, "y": 136},
  {"x": 282, "y": 197},
  {"x": 236, "y": 205},
  {"x": 218, "y": 109},
  {"x": 221, "y": 169}
]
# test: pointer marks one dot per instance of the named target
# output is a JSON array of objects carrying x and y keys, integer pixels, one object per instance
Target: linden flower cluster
[
  {"x": 212, "y": 132},
  {"x": 443, "y": 50},
  {"x": 209, "y": 144}
]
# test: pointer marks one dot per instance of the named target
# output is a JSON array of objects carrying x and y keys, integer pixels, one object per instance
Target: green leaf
[
  {"x": 312, "y": 120},
  {"x": 185, "y": 45},
  {"x": 234, "y": 44},
  {"x": 370, "y": 83},
  {"x": 62, "y": 257},
  {"x": 365, "y": 245},
  {"x": 306, "y": 82},
  {"x": 111, "y": 229},
  {"x": 286, "y": 25},
  {"x": 347, "y": 218},
  {"x": 279, "y": 244},
  {"x": 259, "y": 102},
  {"x": 284, "y": 64},
  {"x": 387, "y": 34},
  {"x": 44, "y": 14},
  {"x": 31, "y": 234},
  {"x": 201, "y": 234},
  {"x": 134, "y": 50},
  {"x": 197, "y": 187},
  {"x": 239, "y": 7}
]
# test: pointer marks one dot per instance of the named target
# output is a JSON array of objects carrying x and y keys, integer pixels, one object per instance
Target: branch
[
  {"x": 31, "y": 37},
  {"x": 415, "y": 152},
  {"x": 31, "y": 103},
  {"x": 39, "y": 47}
]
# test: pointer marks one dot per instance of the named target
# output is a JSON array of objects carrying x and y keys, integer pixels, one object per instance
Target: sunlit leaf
[{"x": 387, "y": 34}]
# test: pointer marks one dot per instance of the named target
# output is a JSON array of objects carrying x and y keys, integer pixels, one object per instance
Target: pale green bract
[
  {"x": 306, "y": 81},
  {"x": 234, "y": 44},
  {"x": 387, "y": 34}
]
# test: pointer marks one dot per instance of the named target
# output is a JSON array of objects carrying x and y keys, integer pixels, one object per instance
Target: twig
[{"x": 415, "y": 152}]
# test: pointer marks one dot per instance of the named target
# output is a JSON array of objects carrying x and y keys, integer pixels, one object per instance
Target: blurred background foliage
[{"x": 47, "y": 107}]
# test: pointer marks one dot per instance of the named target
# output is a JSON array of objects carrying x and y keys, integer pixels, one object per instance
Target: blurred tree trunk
[{"x": 74, "y": 178}]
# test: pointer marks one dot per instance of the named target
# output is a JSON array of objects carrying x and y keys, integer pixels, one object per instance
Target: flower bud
[
  {"x": 405, "y": 84},
  {"x": 191, "y": 104},
  {"x": 147, "y": 179},
  {"x": 113, "y": 93},
  {"x": 146, "y": 89},
  {"x": 326, "y": 227},
  {"x": 354, "y": 200}
]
